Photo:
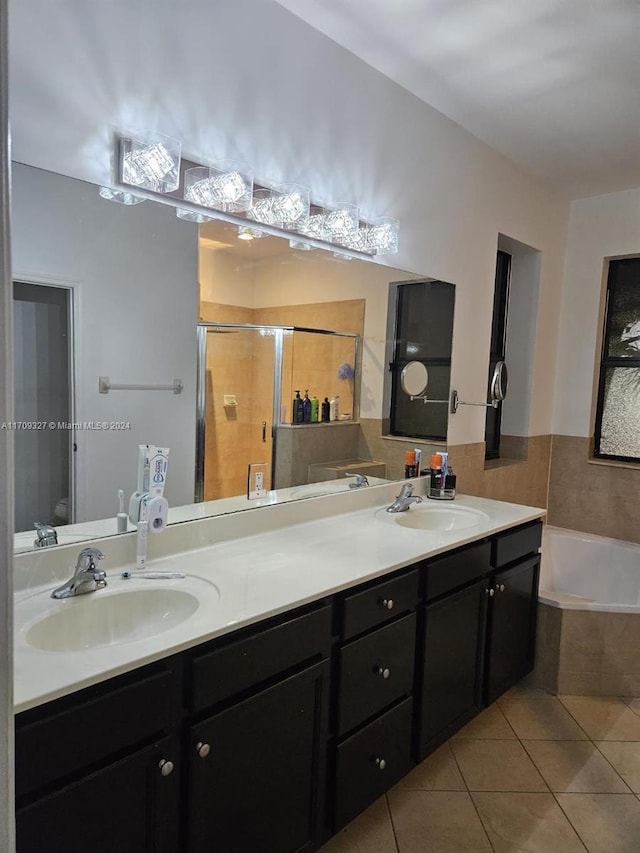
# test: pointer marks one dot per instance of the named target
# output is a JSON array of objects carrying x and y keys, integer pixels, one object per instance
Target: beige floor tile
[
  {"x": 437, "y": 822},
  {"x": 574, "y": 766},
  {"x": 438, "y": 772},
  {"x": 526, "y": 823},
  {"x": 496, "y": 765},
  {"x": 606, "y": 823},
  {"x": 490, "y": 723},
  {"x": 541, "y": 719},
  {"x": 370, "y": 832},
  {"x": 634, "y": 704},
  {"x": 603, "y": 718},
  {"x": 625, "y": 757},
  {"x": 522, "y": 691}
]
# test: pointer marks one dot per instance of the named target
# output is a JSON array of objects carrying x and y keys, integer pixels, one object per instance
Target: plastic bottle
[
  {"x": 315, "y": 407},
  {"x": 436, "y": 483},
  {"x": 297, "y": 410},
  {"x": 409, "y": 463},
  {"x": 306, "y": 408},
  {"x": 326, "y": 410},
  {"x": 334, "y": 408}
]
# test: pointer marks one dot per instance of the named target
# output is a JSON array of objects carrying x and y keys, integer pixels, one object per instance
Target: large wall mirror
[{"x": 104, "y": 290}]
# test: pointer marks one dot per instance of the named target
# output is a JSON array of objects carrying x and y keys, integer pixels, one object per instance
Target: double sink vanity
[{"x": 313, "y": 653}]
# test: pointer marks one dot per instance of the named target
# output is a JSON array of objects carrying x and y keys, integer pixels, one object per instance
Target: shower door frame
[{"x": 278, "y": 332}]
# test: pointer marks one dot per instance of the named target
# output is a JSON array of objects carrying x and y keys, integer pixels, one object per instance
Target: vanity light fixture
[
  {"x": 151, "y": 161},
  {"x": 382, "y": 235},
  {"x": 121, "y": 196},
  {"x": 193, "y": 215},
  {"x": 291, "y": 206},
  {"x": 226, "y": 185},
  {"x": 341, "y": 222}
]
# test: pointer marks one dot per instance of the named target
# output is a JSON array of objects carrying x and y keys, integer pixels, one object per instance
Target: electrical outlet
[{"x": 257, "y": 479}]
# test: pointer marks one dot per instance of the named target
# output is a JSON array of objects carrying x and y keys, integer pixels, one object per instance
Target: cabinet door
[
  {"x": 257, "y": 770},
  {"x": 512, "y": 626},
  {"x": 453, "y": 643},
  {"x": 131, "y": 806}
]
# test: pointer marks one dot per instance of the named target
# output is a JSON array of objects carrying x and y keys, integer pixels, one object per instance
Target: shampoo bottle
[
  {"x": 315, "y": 406},
  {"x": 326, "y": 410},
  {"x": 297, "y": 410},
  {"x": 333, "y": 409},
  {"x": 306, "y": 408}
]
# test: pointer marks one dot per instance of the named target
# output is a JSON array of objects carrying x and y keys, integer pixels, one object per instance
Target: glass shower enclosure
[{"x": 247, "y": 379}]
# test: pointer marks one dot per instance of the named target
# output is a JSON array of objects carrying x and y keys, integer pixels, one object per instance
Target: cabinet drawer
[
  {"x": 64, "y": 737},
  {"x": 371, "y": 761},
  {"x": 376, "y": 671},
  {"x": 515, "y": 544},
  {"x": 250, "y": 661},
  {"x": 444, "y": 574},
  {"x": 379, "y": 604}
]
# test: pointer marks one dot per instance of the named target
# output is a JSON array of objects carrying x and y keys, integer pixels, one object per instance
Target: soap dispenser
[
  {"x": 306, "y": 408},
  {"x": 297, "y": 410}
]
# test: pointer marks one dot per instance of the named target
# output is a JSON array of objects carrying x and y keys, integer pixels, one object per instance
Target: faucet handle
[
  {"x": 87, "y": 558},
  {"x": 406, "y": 491}
]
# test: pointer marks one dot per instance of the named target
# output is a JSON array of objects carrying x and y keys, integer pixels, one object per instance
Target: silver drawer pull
[
  {"x": 203, "y": 749},
  {"x": 501, "y": 587},
  {"x": 388, "y": 603},
  {"x": 383, "y": 671},
  {"x": 166, "y": 767},
  {"x": 381, "y": 763},
  {"x": 491, "y": 592}
]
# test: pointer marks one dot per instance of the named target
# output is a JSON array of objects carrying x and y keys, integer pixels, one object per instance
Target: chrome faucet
[
  {"x": 46, "y": 535},
  {"x": 87, "y": 576},
  {"x": 360, "y": 481},
  {"x": 404, "y": 499}
]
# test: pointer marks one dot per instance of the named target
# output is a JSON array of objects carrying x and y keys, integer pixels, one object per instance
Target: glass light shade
[
  {"x": 121, "y": 196},
  {"x": 152, "y": 161},
  {"x": 192, "y": 216},
  {"x": 291, "y": 206},
  {"x": 226, "y": 185},
  {"x": 341, "y": 221},
  {"x": 359, "y": 240},
  {"x": 383, "y": 235},
  {"x": 262, "y": 206},
  {"x": 247, "y": 233}
]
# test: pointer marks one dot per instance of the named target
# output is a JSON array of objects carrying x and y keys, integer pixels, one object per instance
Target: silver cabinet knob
[
  {"x": 501, "y": 587},
  {"x": 166, "y": 767},
  {"x": 203, "y": 749},
  {"x": 381, "y": 763},
  {"x": 384, "y": 671},
  {"x": 388, "y": 603},
  {"x": 491, "y": 592}
]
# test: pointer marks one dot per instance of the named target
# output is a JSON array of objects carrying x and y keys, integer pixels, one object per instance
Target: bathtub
[{"x": 588, "y": 639}]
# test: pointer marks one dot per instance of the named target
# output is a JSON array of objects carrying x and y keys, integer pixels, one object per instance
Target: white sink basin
[
  {"x": 96, "y": 619},
  {"x": 427, "y": 516}
]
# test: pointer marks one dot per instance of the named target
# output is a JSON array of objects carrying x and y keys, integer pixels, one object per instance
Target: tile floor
[{"x": 534, "y": 773}]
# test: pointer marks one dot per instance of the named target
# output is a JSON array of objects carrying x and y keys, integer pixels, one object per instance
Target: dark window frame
[
  {"x": 497, "y": 349},
  {"x": 607, "y": 362}
]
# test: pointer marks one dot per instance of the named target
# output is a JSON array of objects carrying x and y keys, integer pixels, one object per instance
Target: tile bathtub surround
[
  {"x": 594, "y": 497},
  {"x": 564, "y": 793}
]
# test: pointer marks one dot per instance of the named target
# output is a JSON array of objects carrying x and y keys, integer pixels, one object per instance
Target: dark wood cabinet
[
  {"x": 511, "y": 630},
  {"x": 130, "y": 806},
  {"x": 450, "y": 688},
  {"x": 271, "y": 738},
  {"x": 254, "y": 770}
]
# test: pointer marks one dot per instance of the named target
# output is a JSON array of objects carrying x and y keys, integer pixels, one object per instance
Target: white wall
[
  {"x": 599, "y": 227},
  {"x": 249, "y": 79},
  {"x": 134, "y": 273}
]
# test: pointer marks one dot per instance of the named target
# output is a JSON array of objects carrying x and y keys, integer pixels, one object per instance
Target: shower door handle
[{"x": 264, "y": 432}]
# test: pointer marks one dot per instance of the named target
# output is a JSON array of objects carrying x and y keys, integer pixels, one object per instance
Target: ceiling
[{"x": 552, "y": 84}]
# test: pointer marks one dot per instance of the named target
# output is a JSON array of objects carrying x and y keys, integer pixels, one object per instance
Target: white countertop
[{"x": 241, "y": 581}]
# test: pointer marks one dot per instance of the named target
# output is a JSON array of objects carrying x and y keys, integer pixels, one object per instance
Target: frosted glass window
[{"x": 617, "y": 432}]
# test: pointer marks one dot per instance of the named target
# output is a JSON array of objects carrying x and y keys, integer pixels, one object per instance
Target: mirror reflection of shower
[{"x": 247, "y": 377}]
